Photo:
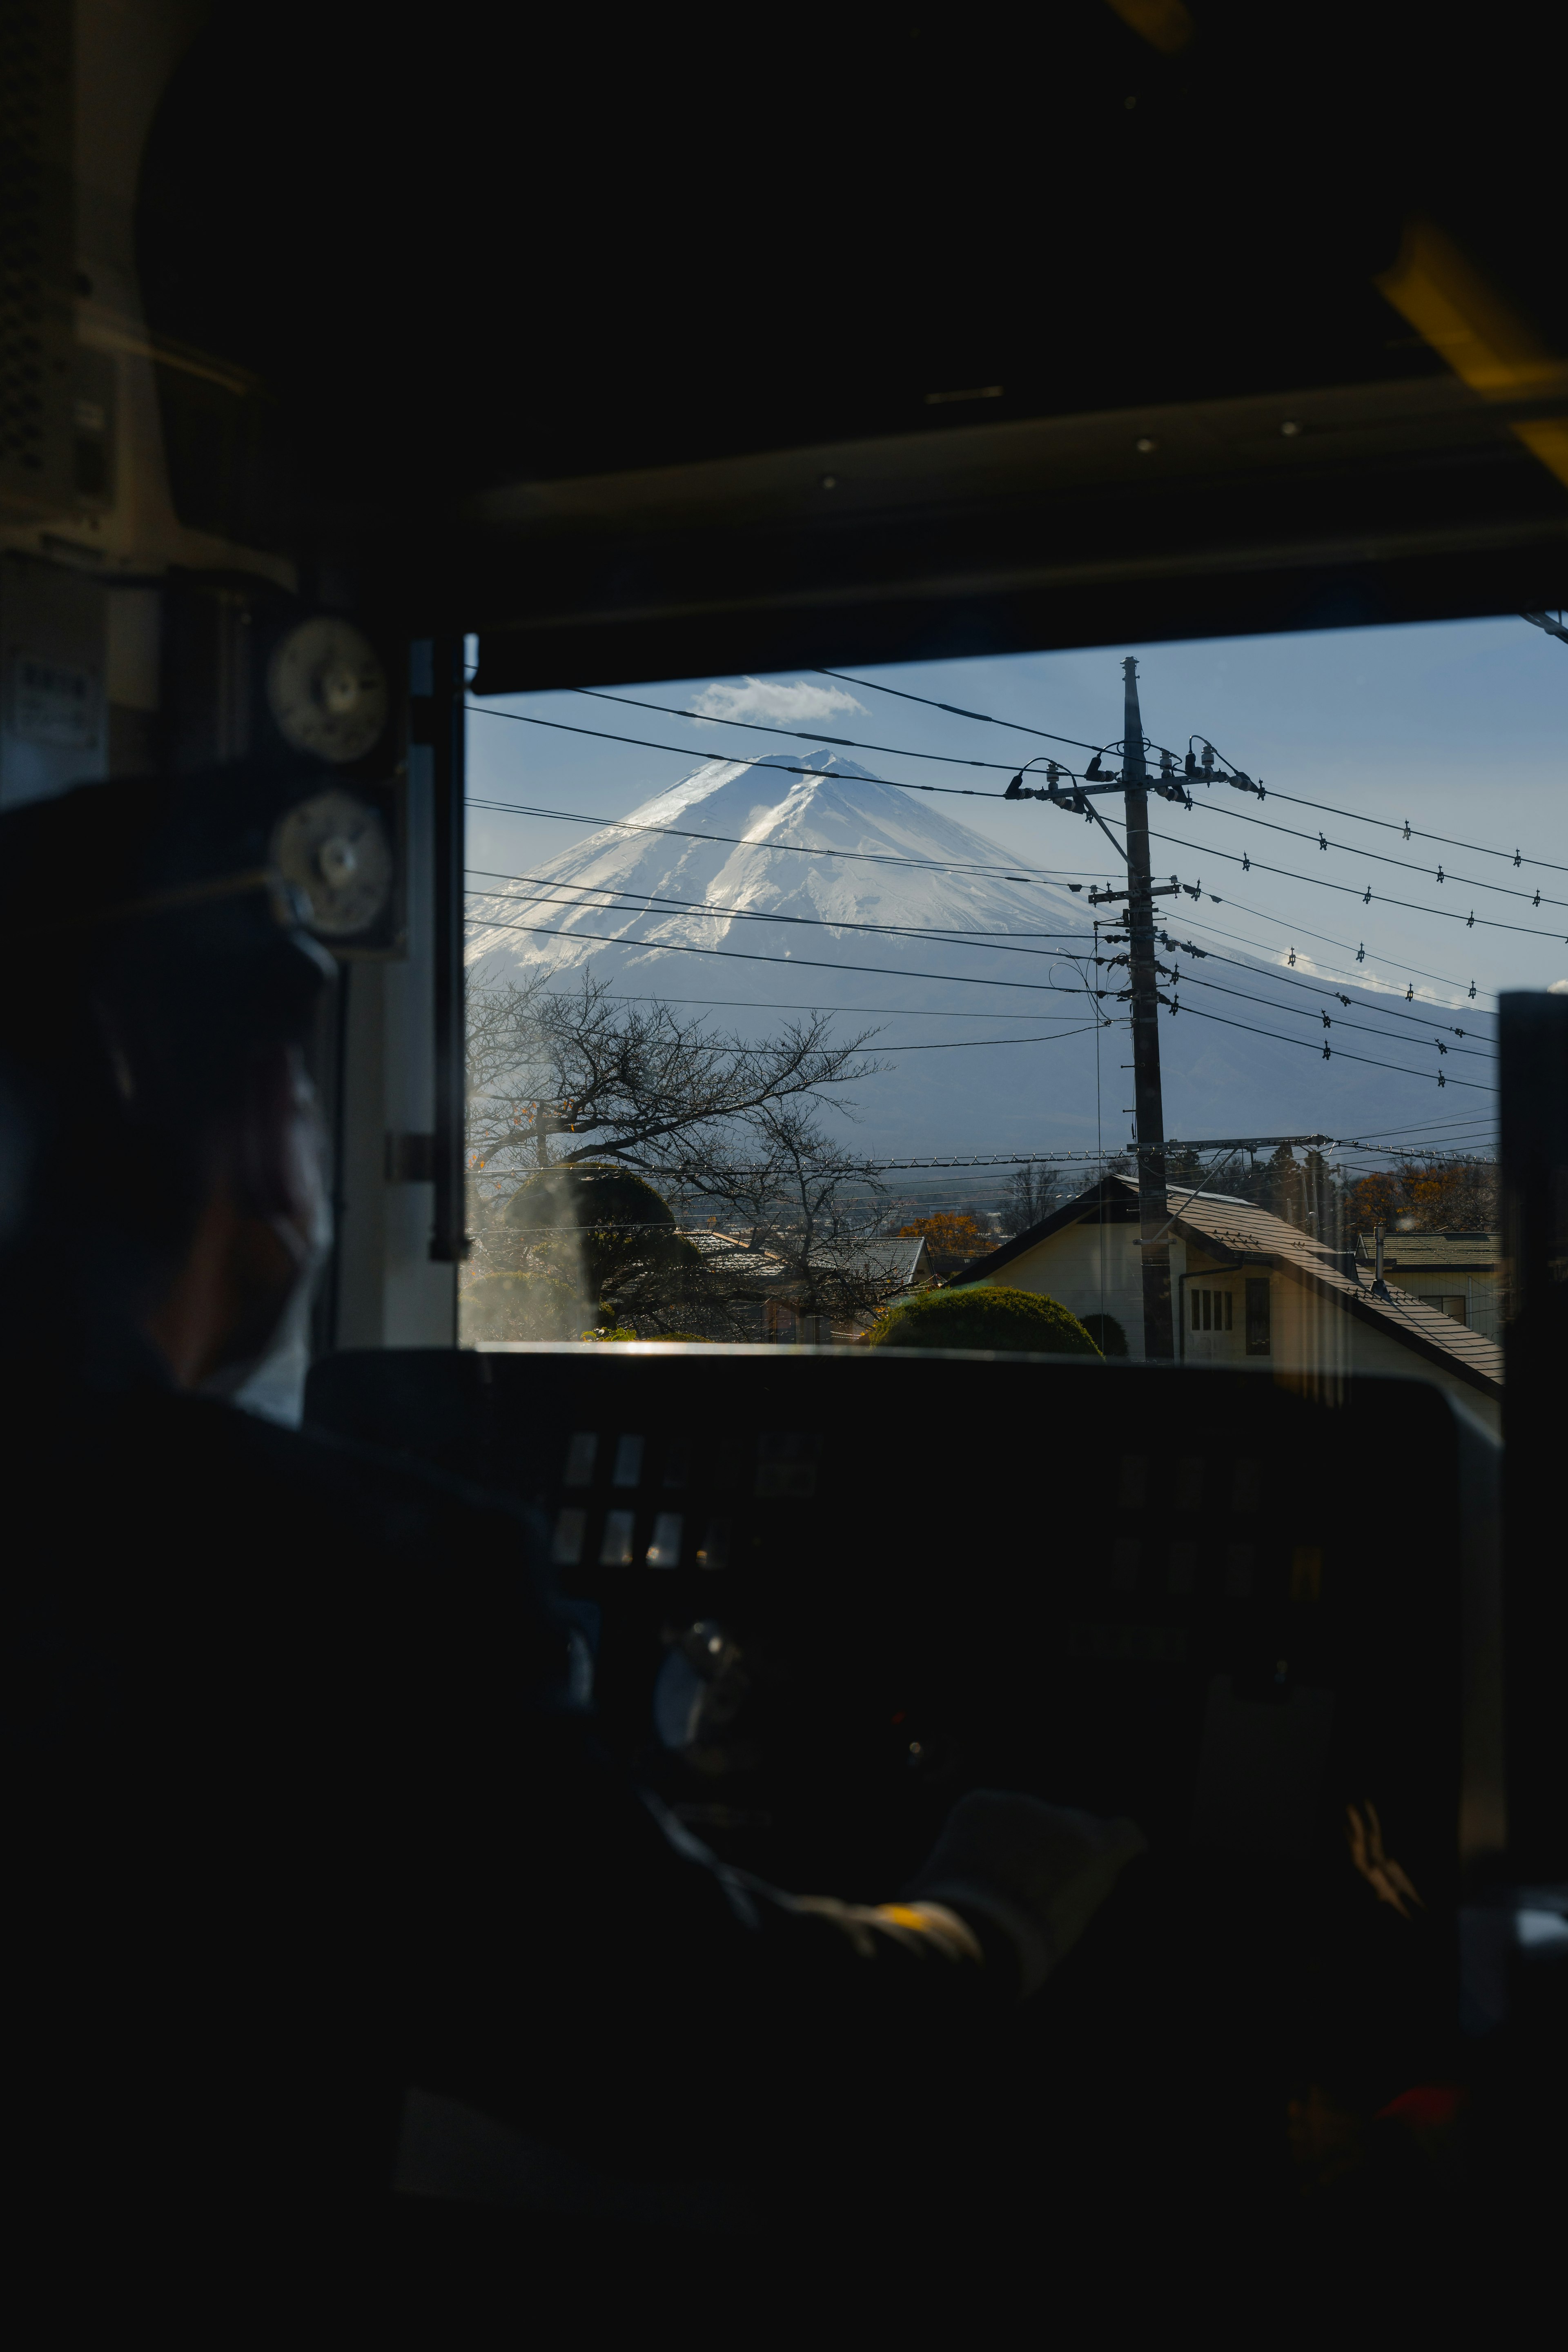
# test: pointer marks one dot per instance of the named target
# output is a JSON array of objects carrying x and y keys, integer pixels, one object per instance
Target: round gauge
[
  {"x": 328, "y": 690},
  {"x": 335, "y": 849}
]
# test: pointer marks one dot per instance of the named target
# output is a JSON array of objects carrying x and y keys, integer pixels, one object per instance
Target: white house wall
[
  {"x": 1309, "y": 1332},
  {"x": 1069, "y": 1268}
]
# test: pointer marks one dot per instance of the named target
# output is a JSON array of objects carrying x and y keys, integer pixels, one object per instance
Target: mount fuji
[{"x": 744, "y": 842}]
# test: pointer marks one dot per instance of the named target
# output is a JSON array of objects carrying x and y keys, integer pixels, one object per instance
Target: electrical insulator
[
  {"x": 1014, "y": 791},
  {"x": 1052, "y": 772},
  {"x": 1192, "y": 766}
]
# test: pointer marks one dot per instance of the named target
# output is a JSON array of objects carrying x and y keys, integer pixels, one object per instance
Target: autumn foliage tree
[
  {"x": 1436, "y": 1196},
  {"x": 949, "y": 1233}
]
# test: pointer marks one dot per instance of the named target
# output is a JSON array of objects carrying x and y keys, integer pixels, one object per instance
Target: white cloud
[
  {"x": 1558, "y": 988},
  {"x": 774, "y": 703}
]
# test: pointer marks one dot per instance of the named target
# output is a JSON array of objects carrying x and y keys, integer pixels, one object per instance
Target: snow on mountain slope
[
  {"x": 769, "y": 815},
  {"x": 730, "y": 839}
]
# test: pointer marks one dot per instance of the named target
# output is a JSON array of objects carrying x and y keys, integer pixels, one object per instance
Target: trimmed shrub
[
  {"x": 1106, "y": 1332},
  {"x": 1018, "y": 1321},
  {"x": 603, "y": 1223},
  {"x": 519, "y": 1307}
]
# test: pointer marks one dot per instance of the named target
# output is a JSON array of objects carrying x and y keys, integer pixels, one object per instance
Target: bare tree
[
  {"x": 602, "y": 1079},
  {"x": 722, "y": 1127}
]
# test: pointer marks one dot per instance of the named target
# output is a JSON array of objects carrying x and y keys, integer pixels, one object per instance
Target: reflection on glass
[
  {"x": 581, "y": 1447},
  {"x": 664, "y": 1551},
  {"x": 615, "y": 1552},
  {"x": 714, "y": 1549},
  {"x": 675, "y": 1463},
  {"x": 627, "y": 1471},
  {"x": 1306, "y": 1573},
  {"x": 787, "y": 1464},
  {"x": 566, "y": 1551},
  {"x": 1238, "y": 1572}
]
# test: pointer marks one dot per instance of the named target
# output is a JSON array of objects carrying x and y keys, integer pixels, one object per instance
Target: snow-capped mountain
[{"x": 742, "y": 840}]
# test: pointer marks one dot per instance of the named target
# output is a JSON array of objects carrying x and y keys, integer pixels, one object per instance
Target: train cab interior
[{"x": 366, "y": 374}]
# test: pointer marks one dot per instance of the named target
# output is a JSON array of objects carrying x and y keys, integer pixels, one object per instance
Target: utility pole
[
  {"x": 1067, "y": 790},
  {"x": 1158, "y": 1338}
]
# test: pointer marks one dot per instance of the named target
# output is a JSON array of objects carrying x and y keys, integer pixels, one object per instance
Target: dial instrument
[
  {"x": 328, "y": 689},
  {"x": 335, "y": 849}
]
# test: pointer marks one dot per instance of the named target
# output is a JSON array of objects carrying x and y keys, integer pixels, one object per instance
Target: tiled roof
[
  {"x": 1456, "y": 1252},
  {"x": 896, "y": 1260},
  {"x": 1235, "y": 1229}
]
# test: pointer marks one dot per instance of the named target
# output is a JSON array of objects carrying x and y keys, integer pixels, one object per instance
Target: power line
[
  {"x": 1341, "y": 1054},
  {"x": 1232, "y": 963},
  {"x": 725, "y": 913},
  {"x": 966, "y": 791},
  {"x": 919, "y": 865},
  {"x": 799, "y": 964},
  {"x": 873, "y": 686},
  {"x": 1000, "y": 872},
  {"x": 1195, "y": 980},
  {"x": 798, "y": 734},
  {"x": 1326, "y": 808},
  {"x": 877, "y": 1012},
  {"x": 1272, "y": 971},
  {"x": 963, "y": 1044},
  {"x": 1348, "y": 890},
  {"x": 1379, "y": 857},
  {"x": 1212, "y": 930},
  {"x": 700, "y": 752},
  {"x": 707, "y": 909}
]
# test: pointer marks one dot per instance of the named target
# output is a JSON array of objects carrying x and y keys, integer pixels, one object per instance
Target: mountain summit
[
  {"x": 911, "y": 866},
  {"x": 830, "y": 888}
]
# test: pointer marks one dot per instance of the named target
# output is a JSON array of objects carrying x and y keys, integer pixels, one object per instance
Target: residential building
[
  {"x": 1247, "y": 1289},
  {"x": 1461, "y": 1273}
]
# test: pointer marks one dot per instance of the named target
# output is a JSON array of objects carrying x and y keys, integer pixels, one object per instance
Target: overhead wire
[
  {"x": 797, "y": 734},
  {"x": 1288, "y": 979},
  {"x": 967, "y": 792},
  {"x": 974, "y": 938},
  {"x": 798, "y": 963},
  {"x": 1348, "y": 889},
  {"x": 1001, "y": 872},
  {"x": 1196, "y": 980},
  {"x": 983, "y": 718},
  {"x": 650, "y": 902},
  {"x": 702, "y": 751},
  {"x": 708, "y": 910},
  {"x": 1325, "y": 808},
  {"x": 1287, "y": 930},
  {"x": 1377, "y": 857},
  {"x": 1339, "y": 1053}
]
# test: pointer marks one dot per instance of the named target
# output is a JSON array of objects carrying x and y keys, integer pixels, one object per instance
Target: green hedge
[{"x": 1018, "y": 1321}]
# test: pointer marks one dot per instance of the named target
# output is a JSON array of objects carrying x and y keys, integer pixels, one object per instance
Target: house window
[
  {"x": 1258, "y": 1341},
  {"x": 1213, "y": 1310}
]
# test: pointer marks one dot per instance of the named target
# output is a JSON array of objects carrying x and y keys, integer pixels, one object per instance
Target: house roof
[
  {"x": 1238, "y": 1230},
  {"x": 1433, "y": 1253},
  {"x": 899, "y": 1260}
]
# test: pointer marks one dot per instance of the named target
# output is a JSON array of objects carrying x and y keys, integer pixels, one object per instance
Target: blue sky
[{"x": 1459, "y": 728}]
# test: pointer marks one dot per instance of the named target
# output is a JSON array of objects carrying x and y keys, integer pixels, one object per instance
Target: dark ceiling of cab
[
  {"x": 475, "y": 244},
  {"x": 481, "y": 254}
]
